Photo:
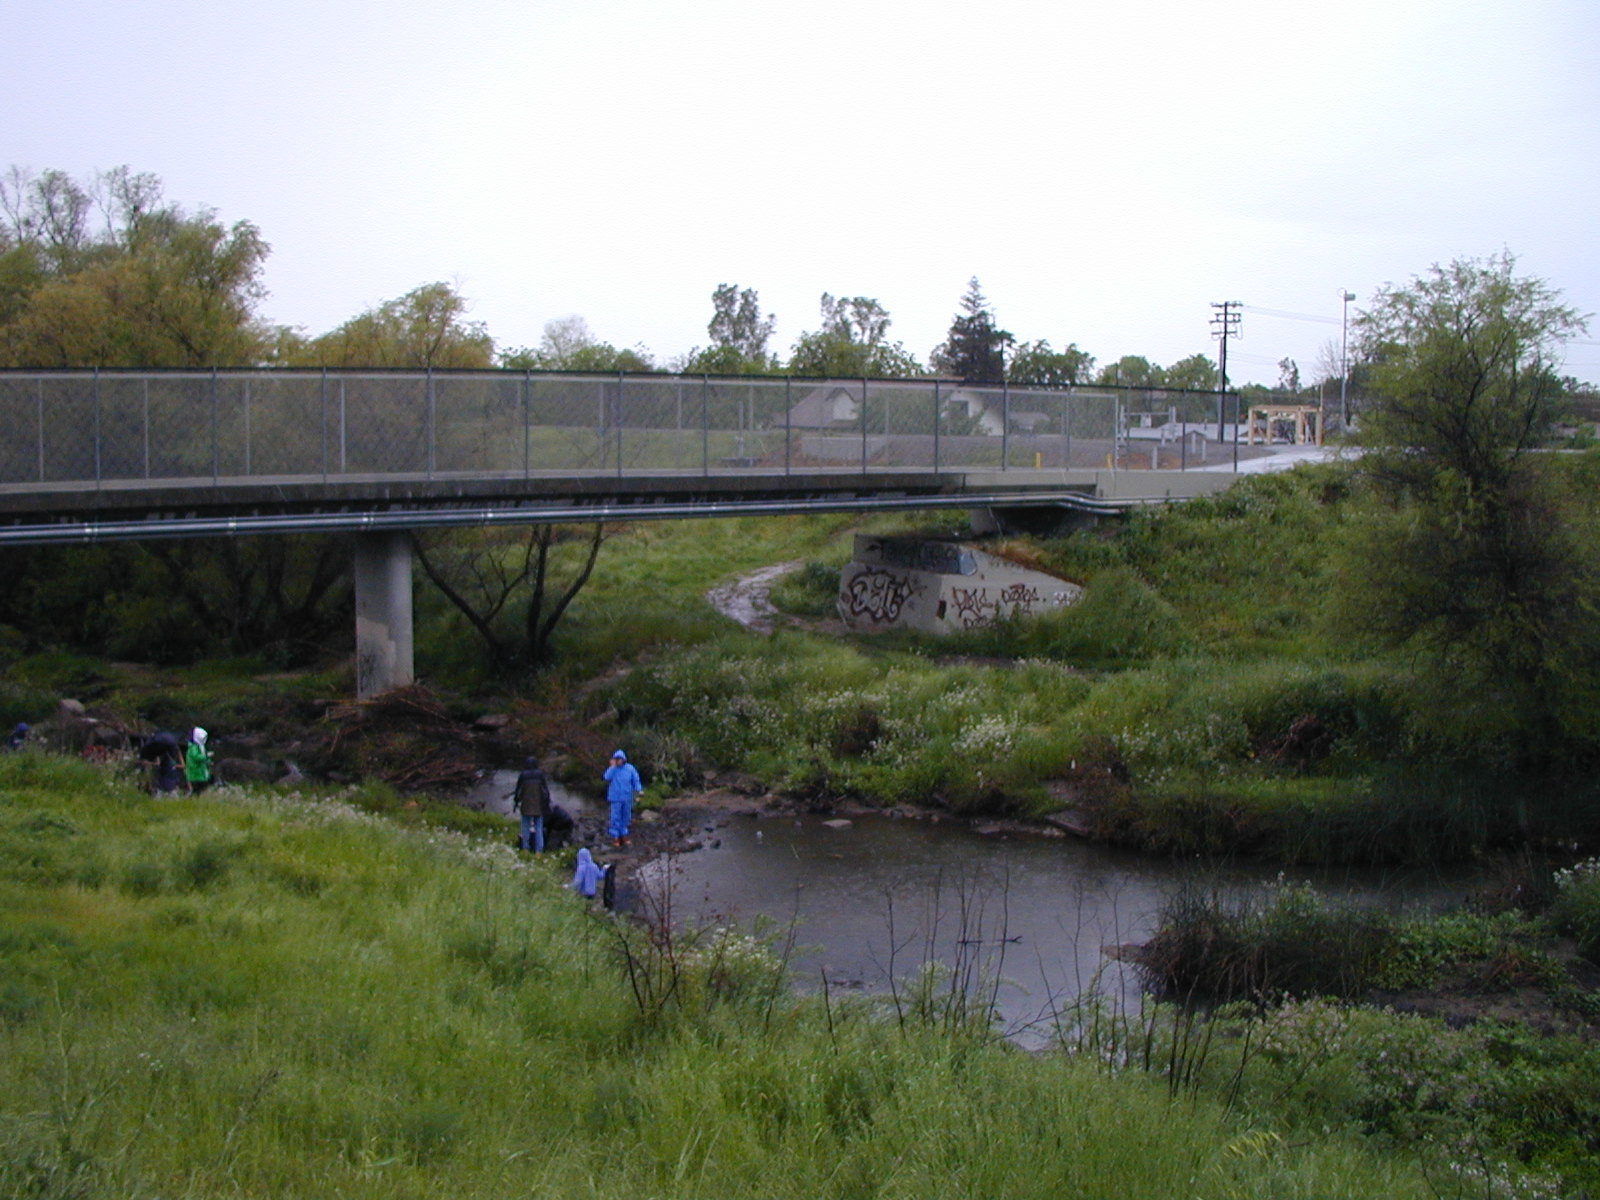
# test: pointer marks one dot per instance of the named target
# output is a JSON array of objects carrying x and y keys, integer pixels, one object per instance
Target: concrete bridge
[{"x": 130, "y": 455}]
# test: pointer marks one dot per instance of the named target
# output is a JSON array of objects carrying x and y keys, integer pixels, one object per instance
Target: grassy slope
[
  {"x": 1194, "y": 702},
  {"x": 1197, "y": 701},
  {"x": 281, "y": 996}
]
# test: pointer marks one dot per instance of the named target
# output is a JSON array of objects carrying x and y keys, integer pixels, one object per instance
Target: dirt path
[{"x": 747, "y": 599}]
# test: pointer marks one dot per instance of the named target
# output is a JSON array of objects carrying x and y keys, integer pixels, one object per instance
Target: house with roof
[{"x": 836, "y": 408}]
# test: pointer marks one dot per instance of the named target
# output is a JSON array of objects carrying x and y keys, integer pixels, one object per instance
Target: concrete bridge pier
[{"x": 383, "y": 613}]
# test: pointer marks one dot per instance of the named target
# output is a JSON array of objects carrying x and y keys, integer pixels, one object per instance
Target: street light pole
[{"x": 1344, "y": 359}]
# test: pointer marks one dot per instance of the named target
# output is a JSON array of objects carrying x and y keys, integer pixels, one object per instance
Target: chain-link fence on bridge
[{"x": 83, "y": 427}]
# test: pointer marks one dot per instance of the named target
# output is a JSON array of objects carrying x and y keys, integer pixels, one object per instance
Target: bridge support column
[{"x": 383, "y": 613}]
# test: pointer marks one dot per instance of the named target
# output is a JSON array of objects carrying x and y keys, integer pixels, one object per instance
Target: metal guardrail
[
  {"x": 92, "y": 429},
  {"x": 395, "y": 519}
]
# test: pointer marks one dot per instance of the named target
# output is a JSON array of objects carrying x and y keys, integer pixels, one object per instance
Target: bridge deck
[{"x": 165, "y": 454}]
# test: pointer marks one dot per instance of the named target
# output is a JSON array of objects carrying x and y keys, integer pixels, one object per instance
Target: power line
[
  {"x": 1255, "y": 360},
  {"x": 1290, "y": 316}
]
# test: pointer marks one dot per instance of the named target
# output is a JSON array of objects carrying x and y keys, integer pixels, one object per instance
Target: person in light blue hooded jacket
[
  {"x": 622, "y": 786},
  {"x": 588, "y": 876}
]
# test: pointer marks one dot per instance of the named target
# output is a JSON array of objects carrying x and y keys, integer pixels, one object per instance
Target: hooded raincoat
[
  {"x": 622, "y": 786},
  {"x": 586, "y": 879},
  {"x": 197, "y": 762}
]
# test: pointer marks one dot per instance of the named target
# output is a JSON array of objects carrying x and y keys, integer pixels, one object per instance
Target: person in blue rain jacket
[{"x": 623, "y": 785}]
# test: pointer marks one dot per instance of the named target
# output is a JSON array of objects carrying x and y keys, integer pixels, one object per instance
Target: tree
[
  {"x": 739, "y": 334},
  {"x": 154, "y": 287},
  {"x": 1197, "y": 373},
  {"x": 108, "y": 273},
  {"x": 484, "y": 574},
  {"x": 1463, "y": 362},
  {"x": 286, "y": 599},
  {"x": 1037, "y": 363},
  {"x": 1477, "y": 556},
  {"x": 1131, "y": 370},
  {"x": 975, "y": 349},
  {"x": 427, "y": 327},
  {"x": 568, "y": 345},
  {"x": 852, "y": 343},
  {"x": 1289, "y": 376}
]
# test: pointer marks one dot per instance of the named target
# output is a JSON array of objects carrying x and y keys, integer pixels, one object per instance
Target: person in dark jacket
[
  {"x": 164, "y": 752},
  {"x": 532, "y": 798},
  {"x": 19, "y": 735}
]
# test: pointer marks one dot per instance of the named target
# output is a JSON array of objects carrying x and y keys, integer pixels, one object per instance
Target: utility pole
[
  {"x": 1223, "y": 326},
  {"x": 1344, "y": 360}
]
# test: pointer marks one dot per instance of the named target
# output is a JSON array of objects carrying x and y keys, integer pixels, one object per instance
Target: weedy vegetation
[{"x": 279, "y": 993}]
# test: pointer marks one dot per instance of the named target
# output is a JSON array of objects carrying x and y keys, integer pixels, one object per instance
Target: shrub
[
  {"x": 1576, "y": 910},
  {"x": 1291, "y": 942},
  {"x": 1119, "y": 621},
  {"x": 812, "y": 591}
]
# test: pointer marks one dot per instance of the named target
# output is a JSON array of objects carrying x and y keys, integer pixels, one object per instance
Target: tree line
[
  {"x": 108, "y": 272},
  {"x": 1476, "y": 550}
]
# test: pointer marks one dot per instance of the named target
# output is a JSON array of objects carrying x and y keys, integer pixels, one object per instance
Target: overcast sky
[{"x": 1107, "y": 169}]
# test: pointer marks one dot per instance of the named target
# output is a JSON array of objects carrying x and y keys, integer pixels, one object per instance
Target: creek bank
[
  {"x": 1531, "y": 980},
  {"x": 421, "y": 743}
]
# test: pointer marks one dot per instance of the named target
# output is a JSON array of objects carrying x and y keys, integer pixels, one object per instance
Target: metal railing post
[
  {"x": 432, "y": 427},
  {"x": 145, "y": 392},
  {"x": 863, "y": 426},
  {"x": 324, "y": 397},
  {"x": 705, "y": 425},
  {"x": 619, "y": 424},
  {"x": 40, "y": 391},
  {"x": 215, "y": 467},
  {"x": 1005, "y": 422},
  {"x": 937, "y": 413},
  {"x": 97, "y": 459},
  {"x": 788, "y": 425},
  {"x": 1116, "y": 430},
  {"x": 1066, "y": 427},
  {"x": 527, "y": 423}
]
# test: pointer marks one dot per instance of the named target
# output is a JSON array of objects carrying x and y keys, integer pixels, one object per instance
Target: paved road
[{"x": 1281, "y": 459}]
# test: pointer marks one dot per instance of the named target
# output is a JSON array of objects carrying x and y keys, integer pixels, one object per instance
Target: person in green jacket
[{"x": 197, "y": 762}]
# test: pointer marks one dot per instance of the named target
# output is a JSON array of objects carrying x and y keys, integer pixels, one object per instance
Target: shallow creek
[{"x": 874, "y": 897}]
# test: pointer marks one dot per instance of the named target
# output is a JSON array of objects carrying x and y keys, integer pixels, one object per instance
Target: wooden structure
[{"x": 1301, "y": 422}]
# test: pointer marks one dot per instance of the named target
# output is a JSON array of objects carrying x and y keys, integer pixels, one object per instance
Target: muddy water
[
  {"x": 873, "y": 898},
  {"x": 493, "y": 794}
]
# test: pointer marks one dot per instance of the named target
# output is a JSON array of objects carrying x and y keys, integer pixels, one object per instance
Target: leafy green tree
[
  {"x": 739, "y": 335},
  {"x": 1480, "y": 554},
  {"x": 1037, "y": 363},
  {"x": 287, "y": 599},
  {"x": 153, "y": 286},
  {"x": 568, "y": 345},
  {"x": 427, "y": 327},
  {"x": 852, "y": 343},
  {"x": 974, "y": 351},
  {"x": 1195, "y": 373},
  {"x": 1464, "y": 366},
  {"x": 1132, "y": 370}
]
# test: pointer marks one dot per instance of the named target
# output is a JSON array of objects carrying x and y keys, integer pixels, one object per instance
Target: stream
[{"x": 874, "y": 897}]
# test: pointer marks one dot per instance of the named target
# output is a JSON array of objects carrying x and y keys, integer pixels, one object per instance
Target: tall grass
[
  {"x": 821, "y": 717},
  {"x": 281, "y": 995}
]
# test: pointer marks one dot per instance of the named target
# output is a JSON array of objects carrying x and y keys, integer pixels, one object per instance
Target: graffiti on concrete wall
[
  {"x": 975, "y": 606},
  {"x": 878, "y": 596}
]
